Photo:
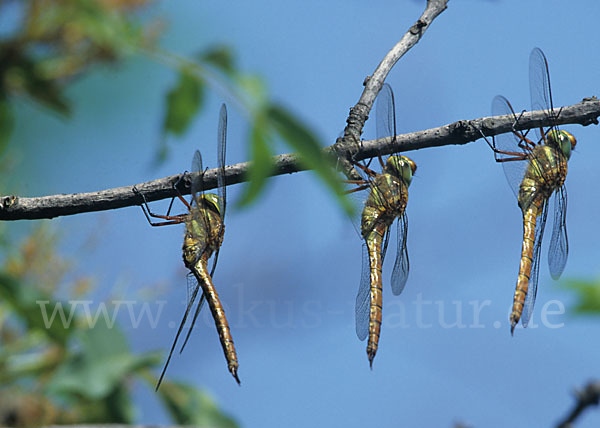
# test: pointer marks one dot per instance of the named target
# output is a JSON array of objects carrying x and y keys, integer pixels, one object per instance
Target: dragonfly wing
[
  {"x": 385, "y": 113},
  {"x": 535, "y": 267},
  {"x": 401, "y": 265},
  {"x": 559, "y": 243},
  {"x": 222, "y": 189},
  {"x": 511, "y": 143},
  {"x": 221, "y": 150},
  {"x": 384, "y": 245},
  {"x": 363, "y": 299},
  {"x": 193, "y": 287},
  {"x": 541, "y": 99},
  {"x": 197, "y": 177},
  {"x": 192, "y": 298},
  {"x": 539, "y": 85},
  {"x": 357, "y": 199}
]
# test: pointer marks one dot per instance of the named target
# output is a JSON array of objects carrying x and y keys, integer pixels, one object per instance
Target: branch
[
  {"x": 13, "y": 208},
  {"x": 360, "y": 112},
  {"x": 461, "y": 132},
  {"x": 589, "y": 396}
]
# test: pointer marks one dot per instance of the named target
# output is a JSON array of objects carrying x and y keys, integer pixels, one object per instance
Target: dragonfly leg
[
  {"x": 176, "y": 219},
  {"x": 515, "y": 158},
  {"x": 543, "y": 134},
  {"x": 381, "y": 162},
  {"x": 522, "y": 137},
  {"x": 492, "y": 144},
  {"x": 366, "y": 169},
  {"x": 179, "y": 195},
  {"x": 355, "y": 181},
  {"x": 524, "y": 142},
  {"x": 358, "y": 189}
]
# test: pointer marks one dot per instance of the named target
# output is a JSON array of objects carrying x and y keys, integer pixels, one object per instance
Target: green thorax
[
  {"x": 546, "y": 172},
  {"x": 388, "y": 195},
  {"x": 203, "y": 229}
]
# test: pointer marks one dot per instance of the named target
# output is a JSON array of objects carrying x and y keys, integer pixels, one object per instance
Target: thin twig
[
  {"x": 360, "y": 112},
  {"x": 589, "y": 396},
  {"x": 461, "y": 132}
]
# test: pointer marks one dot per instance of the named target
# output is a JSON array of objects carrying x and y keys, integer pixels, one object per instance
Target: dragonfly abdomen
[
  {"x": 218, "y": 313},
  {"x": 529, "y": 221},
  {"x": 374, "y": 241}
]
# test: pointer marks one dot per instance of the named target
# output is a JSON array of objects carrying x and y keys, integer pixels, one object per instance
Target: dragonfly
[
  {"x": 536, "y": 170},
  {"x": 384, "y": 204},
  {"x": 204, "y": 231}
]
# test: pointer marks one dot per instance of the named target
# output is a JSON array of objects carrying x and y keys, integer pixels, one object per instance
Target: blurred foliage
[
  {"x": 66, "y": 369},
  {"x": 588, "y": 296},
  {"x": 57, "y": 41}
]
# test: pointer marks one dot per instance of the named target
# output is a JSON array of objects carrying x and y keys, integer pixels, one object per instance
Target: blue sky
[{"x": 289, "y": 269}]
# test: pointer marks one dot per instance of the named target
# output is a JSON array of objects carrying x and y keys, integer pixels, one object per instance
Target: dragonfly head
[
  {"x": 402, "y": 167},
  {"x": 210, "y": 199},
  {"x": 563, "y": 140}
]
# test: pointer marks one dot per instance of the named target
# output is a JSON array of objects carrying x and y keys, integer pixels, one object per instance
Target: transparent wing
[
  {"x": 401, "y": 265},
  {"x": 363, "y": 298},
  {"x": 192, "y": 284},
  {"x": 192, "y": 298},
  {"x": 541, "y": 99},
  {"x": 357, "y": 199},
  {"x": 559, "y": 243},
  {"x": 385, "y": 112},
  {"x": 222, "y": 189},
  {"x": 197, "y": 177},
  {"x": 384, "y": 245},
  {"x": 539, "y": 85},
  {"x": 193, "y": 288},
  {"x": 510, "y": 143},
  {"x": 535, "y": 267},
  {"x": 221, "y": 150}
]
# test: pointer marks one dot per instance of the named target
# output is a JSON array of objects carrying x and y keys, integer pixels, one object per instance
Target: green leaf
[
  {"x": 101, "y": 365},
  {"x": 27, "y": 75},
  {"x": 191, "y": 406},
  {"x": 255, "y": 87},
  {"x": 118, "y": 406},
  {"x": 306, "y": 144},
  {"x": 220, "y": 57},
  {"x": 588, "y": 293},
  {"x": 7, "y": 123},
  {"x": 262, "y": 162},
  {"x": 183, "y": 102},
  {"x": 24, "y": 299}
]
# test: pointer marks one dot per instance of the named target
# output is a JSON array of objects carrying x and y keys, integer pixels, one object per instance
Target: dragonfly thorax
[
  {"x": 210, "y": 201},
  {"x": 401, "y": 167},
  {"x": 203, "y": 232},
  {"x": 545, "y": 173},
  {"x": 562, "y": 140}
]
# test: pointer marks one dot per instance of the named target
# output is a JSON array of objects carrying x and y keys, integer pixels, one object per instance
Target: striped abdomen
[
  {"x": 200, "y": 271},
  {"x": 374, "y": 241},
  {"x": 529, "y": 221}
]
